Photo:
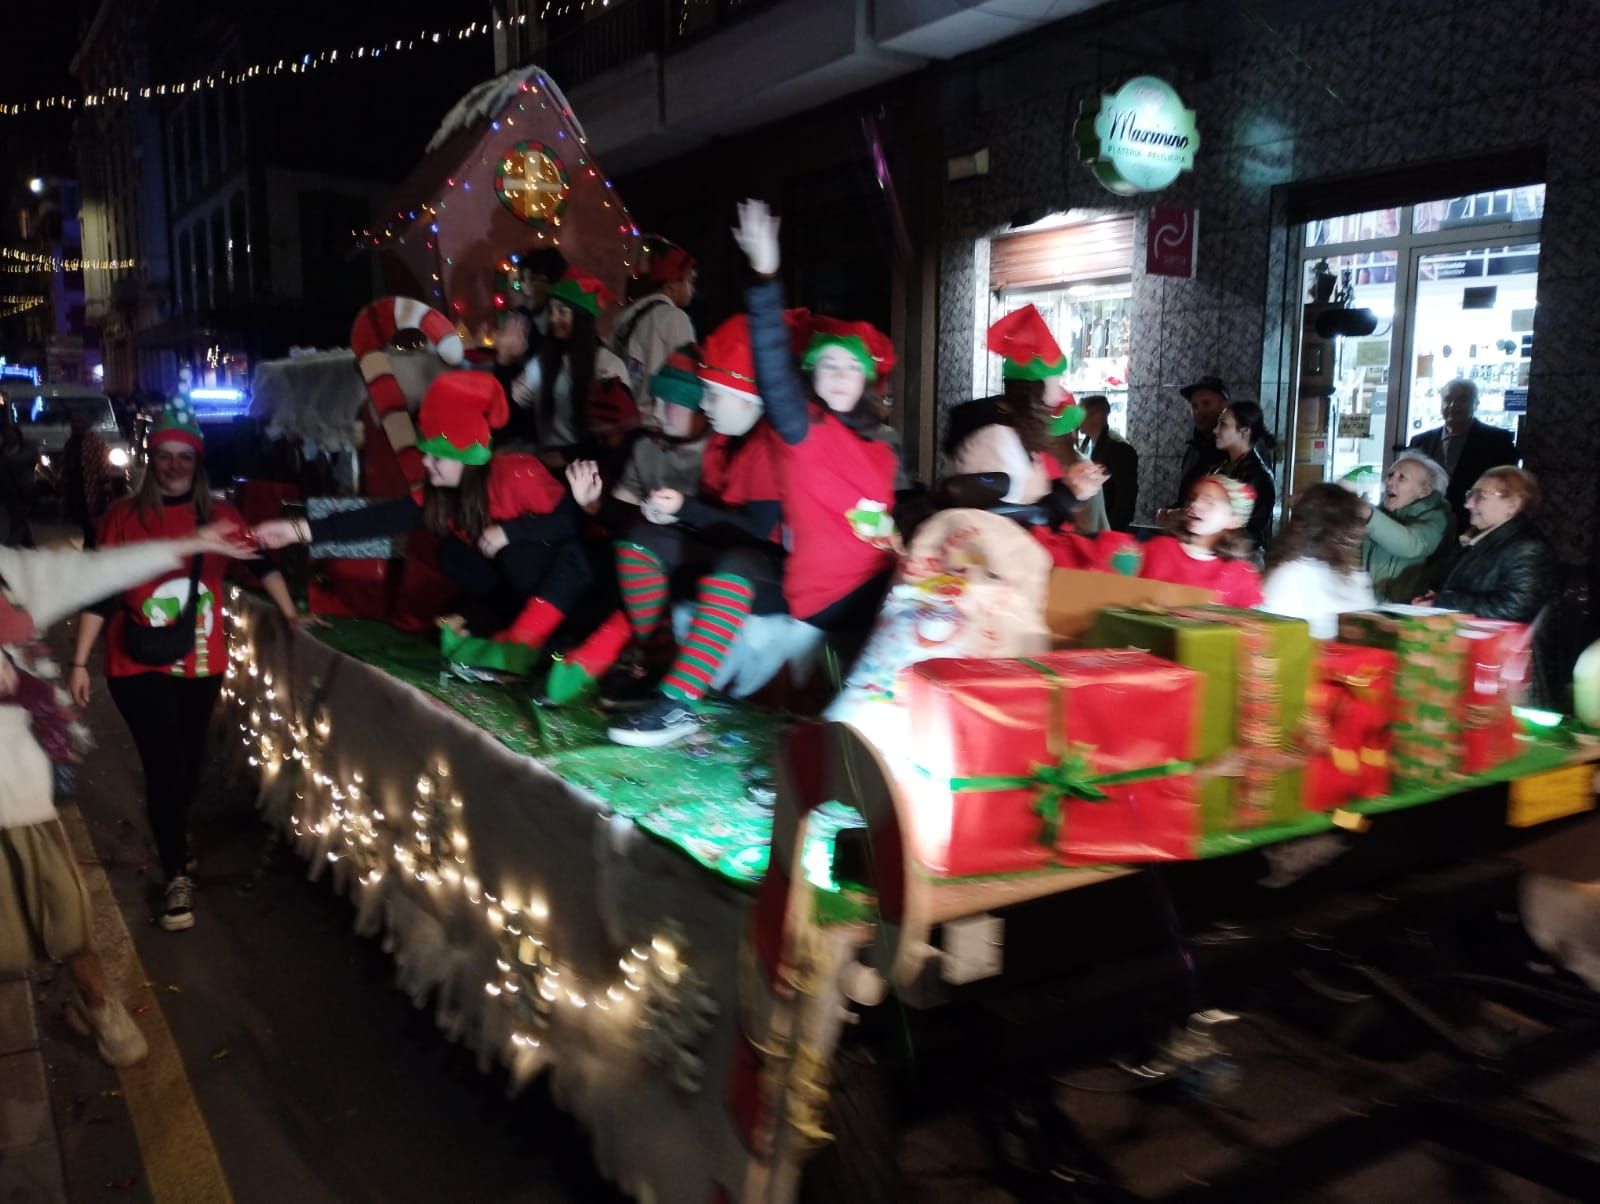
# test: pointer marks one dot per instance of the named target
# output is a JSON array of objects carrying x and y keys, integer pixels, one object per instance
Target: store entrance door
[{"x": 1471, "y": 317}]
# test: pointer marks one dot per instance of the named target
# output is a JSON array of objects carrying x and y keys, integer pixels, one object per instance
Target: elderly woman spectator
[
  {"x": 1314, "y": 571},
  {"x": 1505, "y": 569},
  {"x": 1410, "y": 538}
]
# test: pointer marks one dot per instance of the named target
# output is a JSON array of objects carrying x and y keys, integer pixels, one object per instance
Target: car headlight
[{"x": 118, "y": 457}]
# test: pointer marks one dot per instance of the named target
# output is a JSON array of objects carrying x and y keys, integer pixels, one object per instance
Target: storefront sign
[
  {"x": 1516, "y": 401},
  {"x": 1169, "y": 246},
  {"x": 1139, "y": 138},
  {"x": 1355, "y": 426}
]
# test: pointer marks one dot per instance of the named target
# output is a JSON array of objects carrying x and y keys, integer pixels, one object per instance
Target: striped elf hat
[
  {"x": 1025, "y": 342},
  {"x": 1241, "y": 497},
  {"x": 177, "y": 424}
]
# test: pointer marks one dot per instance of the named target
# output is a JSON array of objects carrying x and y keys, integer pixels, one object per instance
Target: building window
[
  {"x": 1078, "y": 270},
  {"x": 1451, "y": 285}
]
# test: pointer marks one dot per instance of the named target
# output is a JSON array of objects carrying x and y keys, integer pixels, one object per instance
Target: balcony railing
[{"x": 629, "y": 29}]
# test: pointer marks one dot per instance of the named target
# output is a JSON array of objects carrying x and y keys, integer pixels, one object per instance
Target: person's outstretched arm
[{"x": 776, "y": 379}]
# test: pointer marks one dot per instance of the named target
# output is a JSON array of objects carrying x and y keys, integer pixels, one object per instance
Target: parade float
[{"x": 1021, "y": 824}]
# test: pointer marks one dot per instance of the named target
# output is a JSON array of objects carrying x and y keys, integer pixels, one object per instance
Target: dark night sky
[{"x": 40, "y": 51}]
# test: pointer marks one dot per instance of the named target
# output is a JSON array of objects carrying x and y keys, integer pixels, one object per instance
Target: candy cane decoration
[
  {"x": 818, "y": 763},
  {"x": 370, "y": 338}
]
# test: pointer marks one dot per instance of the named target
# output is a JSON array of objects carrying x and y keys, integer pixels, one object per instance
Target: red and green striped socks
[
  {"x": 644, "y": 588},
  {"x": 719, "y": 613}
]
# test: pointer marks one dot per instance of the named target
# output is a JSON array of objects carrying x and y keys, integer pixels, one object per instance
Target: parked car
[{"x": 44, "y": 413}]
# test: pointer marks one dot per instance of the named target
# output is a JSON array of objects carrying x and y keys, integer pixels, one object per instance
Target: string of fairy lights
[
  {"x": 306, "y": 63},
  {"x": 655, "y": 995},
  {"x": 16, "y": 260},
  {"x": 13, "y": 304}
]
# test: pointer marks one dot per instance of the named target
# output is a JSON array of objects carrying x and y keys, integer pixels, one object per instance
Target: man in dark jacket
[
  {"x": 1113, "y": 453},
  {"x": 1466, "y": 447},
  {"x": 1207, "y": 398}
]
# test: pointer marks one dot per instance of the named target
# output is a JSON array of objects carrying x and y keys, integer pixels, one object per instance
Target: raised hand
[
  {"x": 583, "y": 477},
  {"x": 222, "y": 539},
  {"x": 757, "y": 236},
  {"x": 511, "y": 343},
  {"x": 1083, "y": 479}
]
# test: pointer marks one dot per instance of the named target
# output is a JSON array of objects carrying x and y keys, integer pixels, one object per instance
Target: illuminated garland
[
  {"x": 656, "y": 994},
  {"x": 29, "y": 261},
  {"x": 304, "y": 65},
  {"x": 21, "y": 307}
]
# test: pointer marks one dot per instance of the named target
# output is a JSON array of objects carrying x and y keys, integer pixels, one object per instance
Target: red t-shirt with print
[
  {"x": 1236, "y": 582},
  {"x": 159, "y": 601}
]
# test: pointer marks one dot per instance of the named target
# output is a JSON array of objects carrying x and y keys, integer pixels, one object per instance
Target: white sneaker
[
  {"x": 177, "y": 913},
  {"x": 117, "y": 1038}
]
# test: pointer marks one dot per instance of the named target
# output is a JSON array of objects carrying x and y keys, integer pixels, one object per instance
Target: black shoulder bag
[{"x": 159, "y": 647}]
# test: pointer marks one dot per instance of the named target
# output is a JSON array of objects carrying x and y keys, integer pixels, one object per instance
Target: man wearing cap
[
  {"x": 654, "y": 326},
  {"x": 1207, "y": 398}
]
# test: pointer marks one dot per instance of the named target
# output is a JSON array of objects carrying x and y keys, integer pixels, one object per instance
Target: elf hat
[
  {"x": 1241, "y": 498},
  {"x": 582, "y": 291},
  {"x": 1068, "y": 418},
  {"x": 460, "y": 413},
  {"x": 861, "y": 339},
  {"x": 669, "y": 264},
  {"x": 1029, "y": 349},
  {"x": 611, "y": 406},
  {"x": 678, "y": 384},
  {"x": 726, "y": 358},
  {"x": 177, "y": 424}
]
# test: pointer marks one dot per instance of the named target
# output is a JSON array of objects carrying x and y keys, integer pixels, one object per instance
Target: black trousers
[
  {"x": 168, "y": 718},
  {"x": 496, "y": 590},
  {"x": 687, "y": 557}
]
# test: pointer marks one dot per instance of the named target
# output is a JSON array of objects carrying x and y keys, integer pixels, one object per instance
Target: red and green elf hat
[
  {"x": 460, "y": 412},
  {"x": 726, "y": 358},
  {"x": 861, "y": 339},
  {"x": 583, "y": 291},
  {"x": 678, "y": 382},
  {"x": 670, "y": 263},
  {"x": 177, "y": 424},
  {"x": 1241, "y": 497},
  {"x": 1025, "y": 342}
]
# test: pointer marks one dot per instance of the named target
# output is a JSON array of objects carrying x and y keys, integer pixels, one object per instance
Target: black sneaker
[
  {"x": 631, "y": 682},
  {"x": 662, "y": 722},
  {"x": 177, "y": 912}
]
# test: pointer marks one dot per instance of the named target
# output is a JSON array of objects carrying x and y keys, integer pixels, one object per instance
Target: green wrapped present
[
  {"x": 1430, "y": 656},
  {"x": 475, "y": 652},
  {"x": 1255, "y": 669}
]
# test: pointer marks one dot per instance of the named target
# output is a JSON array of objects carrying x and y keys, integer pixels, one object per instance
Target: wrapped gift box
[
  {"x": 1497, "y": 666},
  {"x": 1255, "y": 669},
  {"x": 1430, "y": 667},
  {"x": 1025, "y": 762},
  {"x": 1349, "y": 710}
]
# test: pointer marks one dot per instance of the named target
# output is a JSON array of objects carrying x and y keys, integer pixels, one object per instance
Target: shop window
[
  {"x": 1449, "y": 288},
  {"x": 1078, "y": 273}
]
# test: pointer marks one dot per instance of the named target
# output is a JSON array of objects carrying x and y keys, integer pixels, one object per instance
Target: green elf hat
[
  {"x": 1068, "y": 418},
  {"x": 1030, "y": 351},
  {"x": 460, "y": 413},
  {"x": 678, "y": 382},
  {"x": 177, "y": 424},
  {"x": 582, "y": 291},
  {"x": 860, "y": 339}
]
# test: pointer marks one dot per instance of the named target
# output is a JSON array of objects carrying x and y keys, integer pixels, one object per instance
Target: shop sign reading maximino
[{"x": 1139, "y": 138}]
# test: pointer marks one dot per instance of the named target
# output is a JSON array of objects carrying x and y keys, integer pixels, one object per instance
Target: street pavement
[{"x": 285, "y": 1064}]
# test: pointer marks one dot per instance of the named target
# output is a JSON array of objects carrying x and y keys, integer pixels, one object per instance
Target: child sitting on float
[
  {"x": 719, "y": 543},
  {"x": 508, "y": 528},
  {"x": 1209, "y": 547},
  {"x": 1023, "y": 432}
]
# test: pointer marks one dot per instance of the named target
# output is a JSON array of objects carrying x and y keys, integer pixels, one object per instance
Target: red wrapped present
[
  {"x": 1349, "y": 710},
  {"x": 1031, "y": 761},
  {"x": 1498, "y": 662},
  {"x": 410, "y": 593}
]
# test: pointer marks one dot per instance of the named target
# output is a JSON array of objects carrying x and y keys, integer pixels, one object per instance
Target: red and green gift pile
[
  {"x": 1254, "y": 669},
  {"x": 1348, "y": 714},
  {"x": 1031, "y": 762}
]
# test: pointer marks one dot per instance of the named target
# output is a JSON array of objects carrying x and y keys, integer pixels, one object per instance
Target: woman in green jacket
[{"x": 1409, "y": 540}]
